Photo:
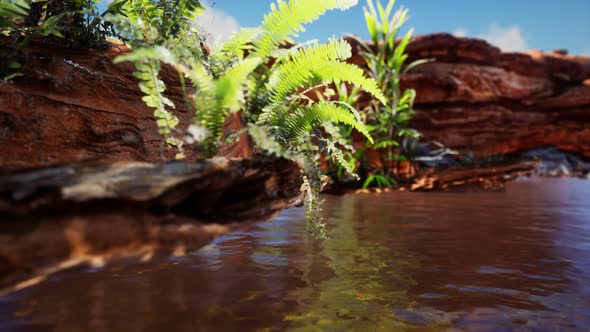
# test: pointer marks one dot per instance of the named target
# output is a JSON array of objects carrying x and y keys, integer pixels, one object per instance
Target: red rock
[
  {"x": 478, "y": 100},
  {"x": 78, "y": 105},
  {"x": 445, "y": 82}
]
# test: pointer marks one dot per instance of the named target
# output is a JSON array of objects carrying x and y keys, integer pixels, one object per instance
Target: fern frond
[
  {"x": 352, "y": 110},
  {"x": 305, "y": 119},
  {"x": 338, "y": 157},
  {"x": 229, "y": 89},
  {"x": 208, "y": 112},
  {"x": 335, "y": 71},
  {"x": 204, "y": 86},
  {"x": 287, "y": 19},
  {"x": 265, "y": 141},
  {"x": 147, "y": 62},
  {"x": 158, "y": 53},
  {"x": 214, "y": 98},
  {"x": 237, "y": 44},
  {"x": 299, "y": 69},
  {"x": 153, "y": 88},
  {"x": 269, "y": 113}
]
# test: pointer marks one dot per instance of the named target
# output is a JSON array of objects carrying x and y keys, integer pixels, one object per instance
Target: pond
[{"x": 472, "y": 261}]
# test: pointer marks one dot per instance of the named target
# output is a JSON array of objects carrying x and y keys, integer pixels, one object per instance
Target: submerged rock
[
  {"x": 493, "y": 173},
  {"x": 487, "y": 176},
  {"x": 91, "y": 213}
]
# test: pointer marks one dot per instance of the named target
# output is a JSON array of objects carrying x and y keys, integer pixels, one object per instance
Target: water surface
[{"x": 517, "y": 260}]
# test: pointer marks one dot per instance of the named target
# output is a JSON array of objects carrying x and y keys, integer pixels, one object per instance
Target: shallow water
[{"x": 517, "y": 260}]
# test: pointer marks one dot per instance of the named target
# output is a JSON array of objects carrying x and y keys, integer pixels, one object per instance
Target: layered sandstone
[
  {"x": 481, "y": 101},
  {"x": 72, "y": 106}
]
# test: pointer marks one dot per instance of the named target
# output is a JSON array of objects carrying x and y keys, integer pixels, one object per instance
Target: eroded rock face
[
  {"x": 483, "y": 102},
  {"x": 77, "y": 105},
  {"x": 59, "y": 217}
]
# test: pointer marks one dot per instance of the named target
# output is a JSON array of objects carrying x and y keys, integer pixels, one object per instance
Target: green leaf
[
  {"x": 304, "y": 119},
  {"x": 229, "y": 87},
  {"x": 337, "y": 72},
  {"x": 299, "y": 69},
  {"x": 415, "y": 64},
  {"x": 286, "y": 19}
]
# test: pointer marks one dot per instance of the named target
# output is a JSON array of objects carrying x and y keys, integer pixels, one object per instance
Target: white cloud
[
  {"x": 506, "y": 38},
  {"x": 217, "y": 24},
  {"x": 460, "y": 32}
]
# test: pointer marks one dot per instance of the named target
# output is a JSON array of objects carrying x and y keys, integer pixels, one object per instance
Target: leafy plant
[
  {"x": 380, "y": 180},
  {"x": 158, "y": 32},
  {"x": 157, "y": 20},
  {"x": 79, "y": 23},
  {"x": 388, "y": 122},
  {"x": 12, "y": 15},
  {"x": 280, "y": 98},
  {"x": 11, "y": 10},
  {"x": 273, "y": 89}
]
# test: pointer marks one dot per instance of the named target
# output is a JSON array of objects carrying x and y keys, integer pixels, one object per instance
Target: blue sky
[{"x": 513, "y": 25}]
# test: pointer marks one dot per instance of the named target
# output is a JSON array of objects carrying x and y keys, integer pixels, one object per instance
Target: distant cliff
[{"x": 478, "y": 100}]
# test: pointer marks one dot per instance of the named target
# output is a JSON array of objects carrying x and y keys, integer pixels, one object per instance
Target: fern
[
  {"x": 230, "y": 87},
  {"x": 168, "y": 17},
  {"x": 307, "y": 118},
  {"x": 265, "y": 141},
  {"x": 274, "y": 94},
  {"x": 338, "y": 157},
  {"x": 299, "y": 69},
  {"x": 215, "y": 98},
  {"x": 287, "y": 19},
  {"x": 153, "y": 89},
  {"x": 158, "y": 32},
  {"x": 238, "y": 43},
  {"x": 270, "y": 113},
  {"x": 344, "y": 72},
  {"x": 319, "y": 62},
  {"x": 147, "y": 62}
]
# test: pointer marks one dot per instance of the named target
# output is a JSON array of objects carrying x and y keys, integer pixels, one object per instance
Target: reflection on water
[{"x": 512, "y": 260}]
